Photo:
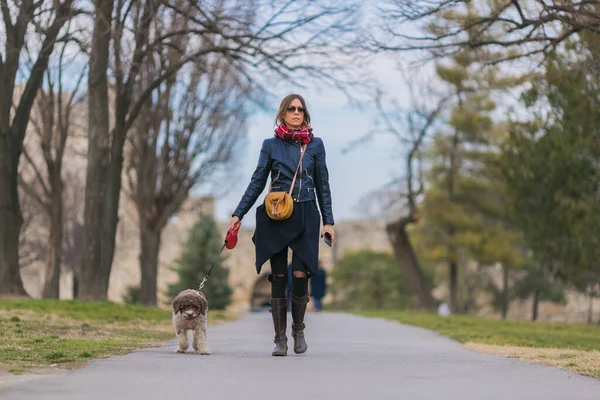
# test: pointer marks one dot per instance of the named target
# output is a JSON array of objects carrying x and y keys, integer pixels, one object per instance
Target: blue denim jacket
[{"x": 279, "y": 158}]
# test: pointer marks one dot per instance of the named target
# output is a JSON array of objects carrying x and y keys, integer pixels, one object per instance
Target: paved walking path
[{"x": 348, "y": 358}]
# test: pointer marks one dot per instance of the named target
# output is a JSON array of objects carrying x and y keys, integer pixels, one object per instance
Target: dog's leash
[{"x": 230, "y": 242}]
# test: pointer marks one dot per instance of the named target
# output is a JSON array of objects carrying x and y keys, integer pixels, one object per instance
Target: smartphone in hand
[{"x": 327, "y": 239}]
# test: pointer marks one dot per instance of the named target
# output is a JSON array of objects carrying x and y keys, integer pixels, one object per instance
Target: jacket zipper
[
  {"x": 310, "y": 177},
  {"x": 273, "y": 180}
]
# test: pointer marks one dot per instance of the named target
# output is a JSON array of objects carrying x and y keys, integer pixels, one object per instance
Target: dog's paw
[
  {"x": 180, "y": 350},
  {"x": 204, "y": 351}
]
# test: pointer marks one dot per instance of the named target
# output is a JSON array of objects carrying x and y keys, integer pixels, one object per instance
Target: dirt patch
[{"x": 577, "y": 361}]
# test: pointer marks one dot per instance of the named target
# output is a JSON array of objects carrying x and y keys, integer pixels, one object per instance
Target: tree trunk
[
  {"x": 534, "y": 306},
  {"x": 73, "y": 254},
  {"x": 505, "y": 297},
  {"x": 149, "y": 249},
  {"x": 406, "y": 257},
  {"x": 10, "y": 209},
  {"x": 598, "y": 291},
  {"x": 452, "y": 252},
  {"x": 453, "y": 286},
  {"x": 111, "y": 204},
  {"x": 55, "y": 242},
  {"x": 590, "y": 306},
  {"x": 94, "y": 278},
  {"x": 75, "y": 285}
]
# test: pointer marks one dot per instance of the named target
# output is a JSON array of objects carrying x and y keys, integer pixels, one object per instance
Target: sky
[
  {"x": 367, "y": 167},
  {"x": 354, "y": 174}
]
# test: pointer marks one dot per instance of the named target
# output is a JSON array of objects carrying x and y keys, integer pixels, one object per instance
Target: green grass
[
  {"x": 37, "y": 333},
  {"x": 95, "y": 311},
  {"x": 497, "y": 332}
]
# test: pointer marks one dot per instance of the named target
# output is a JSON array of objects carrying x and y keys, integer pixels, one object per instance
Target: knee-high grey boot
[
  {"x": 279, "y": 314},
  {"x": 298, "y": 311}
]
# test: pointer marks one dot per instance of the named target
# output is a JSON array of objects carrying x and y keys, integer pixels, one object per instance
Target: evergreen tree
[
  {"x": 200, "y": 253},
  {"x": 552, "y": 165},
  {"x": 465, "y": 211}
]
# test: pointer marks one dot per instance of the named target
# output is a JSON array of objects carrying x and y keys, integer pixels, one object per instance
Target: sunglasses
[{"x": 293, "y": 109}]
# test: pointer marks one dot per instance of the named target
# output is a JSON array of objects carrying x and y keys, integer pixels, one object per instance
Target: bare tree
[
  {"x": 513, "y": 28},
  {"x": 48, "y": 18},
  {"x": 419, "y": 123},
  {"x": 410, "y": 127},
  {"x": 181, "y": 141},
  {"x": 288, "y": 38},
  {"x": 52, "y": 123}
]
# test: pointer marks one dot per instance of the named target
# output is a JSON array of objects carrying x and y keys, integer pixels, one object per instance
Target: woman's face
[{"x": 294, "y": 115}]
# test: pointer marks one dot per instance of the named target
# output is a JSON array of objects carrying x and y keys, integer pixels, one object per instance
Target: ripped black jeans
[{"x": 279, "y": 271}]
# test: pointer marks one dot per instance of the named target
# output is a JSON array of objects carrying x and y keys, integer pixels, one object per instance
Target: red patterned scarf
[{"x": 303, "y": 134}]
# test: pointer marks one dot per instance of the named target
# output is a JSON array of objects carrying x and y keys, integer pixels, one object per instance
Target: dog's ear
[
  {"x": 177, "y": 305},
  {"x": 203, "y": 305}
]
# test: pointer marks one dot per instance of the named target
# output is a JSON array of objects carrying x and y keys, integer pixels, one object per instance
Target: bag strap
[{"x": 303, "y": 150}]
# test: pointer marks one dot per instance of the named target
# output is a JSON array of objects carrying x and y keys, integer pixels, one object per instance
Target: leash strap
[{"x": 209, "y": 270}]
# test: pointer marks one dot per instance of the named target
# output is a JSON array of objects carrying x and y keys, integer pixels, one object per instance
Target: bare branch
[
  {"x": 63, "y": 14},
  {"x": 520, "y": 10},
  {"x": 184, "y": 137},
  {"x": 430, "y": 119},
  {"x": 449, "y": 26},
  {"x": 6, "y": 15}
]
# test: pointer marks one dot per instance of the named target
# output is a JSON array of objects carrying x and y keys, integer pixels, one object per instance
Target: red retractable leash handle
[{"x": 231, "y": 238}]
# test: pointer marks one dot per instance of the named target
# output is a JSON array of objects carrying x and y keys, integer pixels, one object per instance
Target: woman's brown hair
[{"x": 285, "y": 103}]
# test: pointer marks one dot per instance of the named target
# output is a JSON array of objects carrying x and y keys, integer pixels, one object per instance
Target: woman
[{"x": 280, "y": 157}]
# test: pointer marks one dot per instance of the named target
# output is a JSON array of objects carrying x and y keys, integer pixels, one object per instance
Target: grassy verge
[
  {"x": 39, "y": 333},
  {"x": 572, "y": 347}
]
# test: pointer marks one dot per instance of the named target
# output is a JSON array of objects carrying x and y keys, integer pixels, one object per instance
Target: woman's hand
[
  {"x": 233, "y": 222},
  {"x": 328, "y": 229}
]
